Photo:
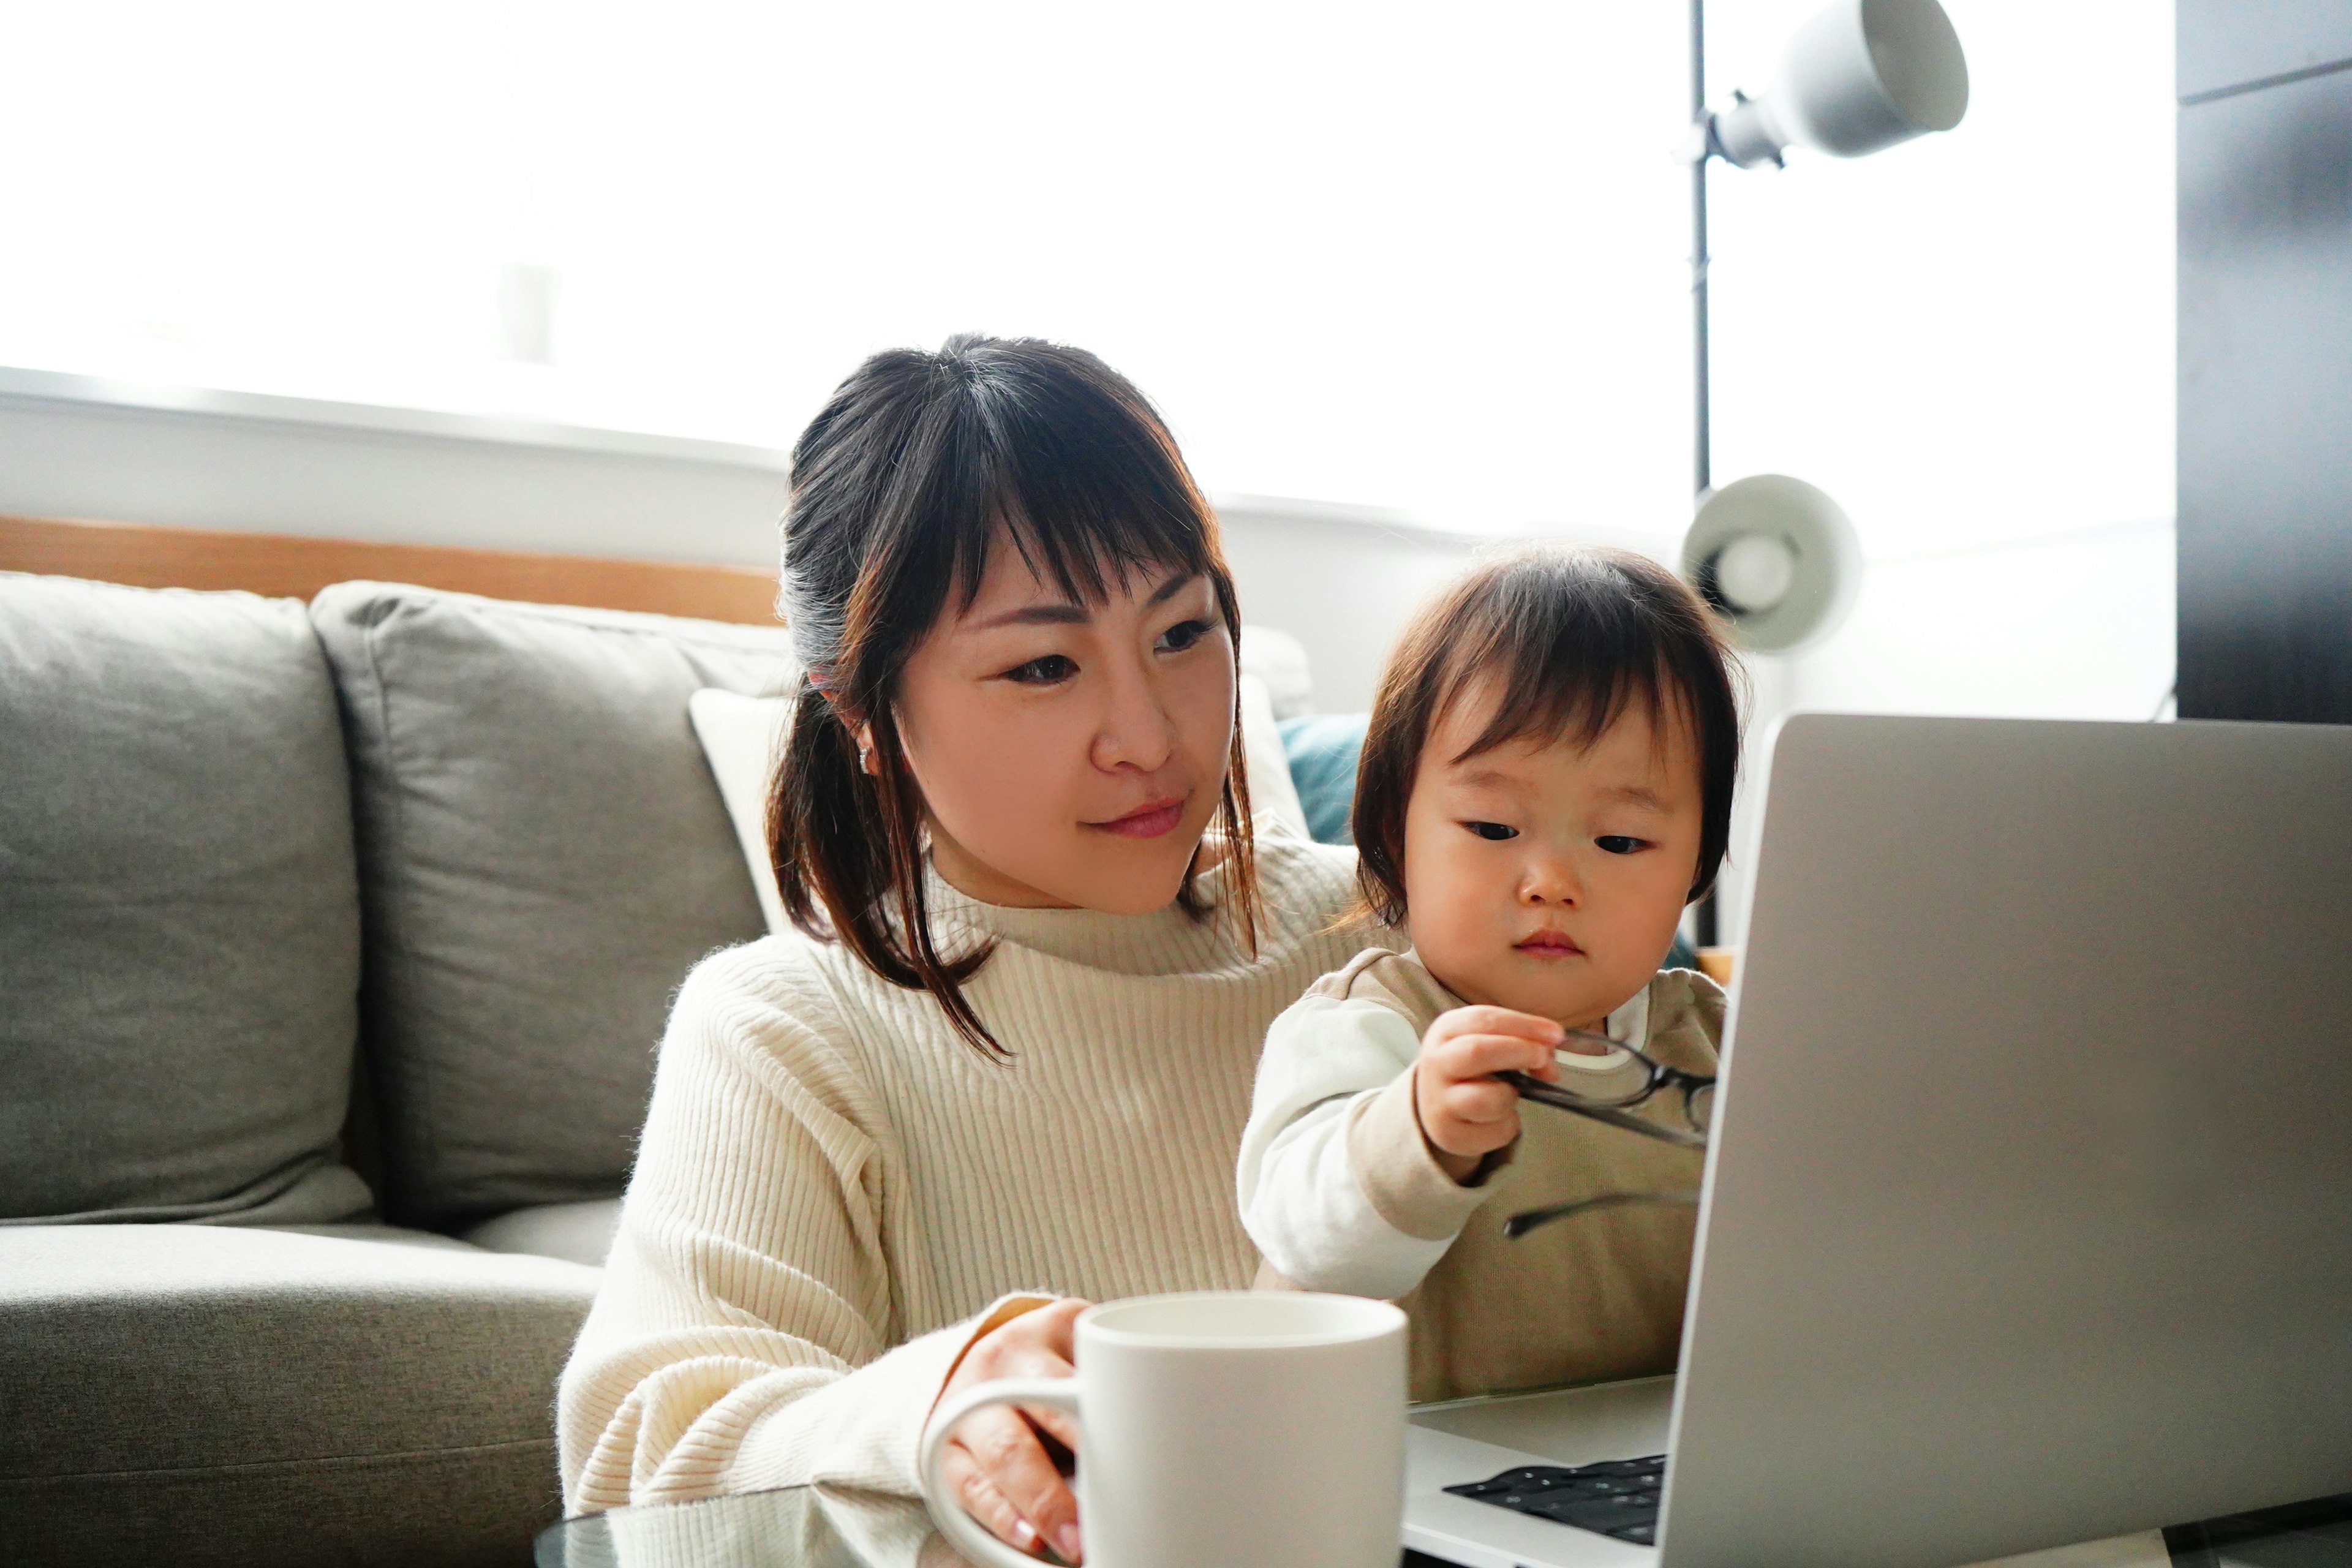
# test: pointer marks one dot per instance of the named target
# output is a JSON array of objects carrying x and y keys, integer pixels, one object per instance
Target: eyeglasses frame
[{"x": 1614, "y": 1112}]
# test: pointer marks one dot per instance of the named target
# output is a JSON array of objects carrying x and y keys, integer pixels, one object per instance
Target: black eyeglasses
[{"x": 1615, "y": 1107}]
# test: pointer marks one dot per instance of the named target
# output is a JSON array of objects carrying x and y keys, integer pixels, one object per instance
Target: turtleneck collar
[{"x": 1167, "y": 941}]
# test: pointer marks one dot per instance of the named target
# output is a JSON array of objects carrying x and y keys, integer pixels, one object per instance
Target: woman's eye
[
  {"x": 1049, "y": 670},
  {"x": 1492, "y": 830},
  {"x": 1183, "y": 635},
  {"x": 1617, "y": 844}
]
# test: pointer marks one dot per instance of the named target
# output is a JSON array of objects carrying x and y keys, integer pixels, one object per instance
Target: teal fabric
[{"x": 1323, "y": 749}]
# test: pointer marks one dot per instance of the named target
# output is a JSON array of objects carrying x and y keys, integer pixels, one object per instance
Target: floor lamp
[{"x": 1774, "y": 555}]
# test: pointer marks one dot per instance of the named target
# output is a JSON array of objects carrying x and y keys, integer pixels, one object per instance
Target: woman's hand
[
  {"x": 995, "y": 1460},
  {"x": 1467, "y": 1113}
]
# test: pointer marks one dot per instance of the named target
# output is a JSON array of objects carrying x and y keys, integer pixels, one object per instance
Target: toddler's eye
[
  {"x": 1052, "y": 668},
  {"x": 1492, "y": 830},
  {"x": 1617, "y": 844},
  {"x": 1183, "y": 635}
]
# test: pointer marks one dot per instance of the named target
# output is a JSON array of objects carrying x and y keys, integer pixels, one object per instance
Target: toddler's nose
[{"x": 1550, "y": 884}]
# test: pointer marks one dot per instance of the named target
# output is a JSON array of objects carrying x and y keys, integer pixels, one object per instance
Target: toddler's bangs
[
  {"x": 1567, "y": 642},
  {"x": 1562, "y": 660}
]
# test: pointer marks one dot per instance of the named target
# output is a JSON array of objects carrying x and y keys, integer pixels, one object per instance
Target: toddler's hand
[{"x": 1466, "y": 1113}]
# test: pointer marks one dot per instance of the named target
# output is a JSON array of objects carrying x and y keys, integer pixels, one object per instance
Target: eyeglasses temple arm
[
  {"x": 1518, "y": 1225},
  {"x": 1535, "y": 1089}
]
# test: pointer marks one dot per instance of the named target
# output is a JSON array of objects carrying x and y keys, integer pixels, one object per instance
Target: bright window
[{"x": 1425, "y": 257}]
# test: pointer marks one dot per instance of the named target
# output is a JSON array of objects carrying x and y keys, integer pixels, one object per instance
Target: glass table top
[{"x": 815, "y": 1527}]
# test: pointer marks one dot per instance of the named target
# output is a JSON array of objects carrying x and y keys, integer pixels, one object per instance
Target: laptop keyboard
[{"x": 1617, "y": 1499}]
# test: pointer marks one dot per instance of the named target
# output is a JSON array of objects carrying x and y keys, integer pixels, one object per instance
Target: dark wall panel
[{"x": 2265, "y": 418}]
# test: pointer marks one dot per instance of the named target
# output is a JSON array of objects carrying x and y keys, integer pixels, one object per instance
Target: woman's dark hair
[
  {"x": 1572, "y": 636},
  {"x": 918, "y": 463}
]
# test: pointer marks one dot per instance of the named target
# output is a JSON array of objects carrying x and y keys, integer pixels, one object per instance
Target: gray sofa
[{"x": 335, "y": 941}]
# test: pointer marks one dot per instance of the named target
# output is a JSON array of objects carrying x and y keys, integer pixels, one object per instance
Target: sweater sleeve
[
  {"x": 742, "y": 1336},
  {"x": 1338, "y": 1187}
]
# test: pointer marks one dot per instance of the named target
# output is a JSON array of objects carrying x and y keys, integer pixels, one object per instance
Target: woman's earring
[{"x": 866, "y": 751}]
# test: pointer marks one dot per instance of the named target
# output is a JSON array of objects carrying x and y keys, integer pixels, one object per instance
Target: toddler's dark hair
[{"x": 1573, "y": 636}]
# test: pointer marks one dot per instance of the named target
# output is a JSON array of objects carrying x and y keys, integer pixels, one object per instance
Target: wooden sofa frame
[{"x": 290, "y": 566}]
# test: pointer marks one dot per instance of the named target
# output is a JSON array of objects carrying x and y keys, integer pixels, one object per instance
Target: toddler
[{"x": 1546, "y": 782}]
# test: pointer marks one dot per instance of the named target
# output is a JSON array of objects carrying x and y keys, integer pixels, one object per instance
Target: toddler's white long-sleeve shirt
[{"x": 1341, "y": 1192}]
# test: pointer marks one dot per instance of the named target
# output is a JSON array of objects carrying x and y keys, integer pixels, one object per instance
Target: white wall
[
  {"x": 1341, "y": 582},
  {"x": 1342, "y": 579},
  {"x": 1968, "y": 341},
  {"x": 2068, "y": 625},
  {"x": 1439, "y": 272},
  {"x": 1967, "y": 338},
  {"x": 1377, "y": 253},
  {"x": 1419, "y": 262},
  {"x": 2077, "y": 624},
  {"x": 272, "y": 465}
]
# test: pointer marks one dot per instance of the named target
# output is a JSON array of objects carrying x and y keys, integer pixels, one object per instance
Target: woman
[{"x": 1007, "y": 1067}]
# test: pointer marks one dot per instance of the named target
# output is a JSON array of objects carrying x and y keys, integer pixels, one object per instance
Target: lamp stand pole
[
  {"x": 1702, "y": 477},
  {"x": 1703, "y": 918}
]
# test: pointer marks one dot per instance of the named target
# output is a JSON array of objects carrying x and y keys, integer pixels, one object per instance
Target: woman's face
[{"x": 1069, "y": 754}]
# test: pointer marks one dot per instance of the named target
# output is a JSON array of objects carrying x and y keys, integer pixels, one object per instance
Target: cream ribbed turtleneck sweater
[{"x": 833, "y": 1193}]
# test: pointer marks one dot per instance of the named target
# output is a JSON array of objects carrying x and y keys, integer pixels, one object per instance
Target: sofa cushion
[
  {"x": 1324, "y": 749},
  {"x": 196, "y": 1395},
  {"x": 179, "y": 917},
  {"x": 543, "y": 855},
  {"x": 743, "y": 739},
  {"x": 579, "y": 1232}
]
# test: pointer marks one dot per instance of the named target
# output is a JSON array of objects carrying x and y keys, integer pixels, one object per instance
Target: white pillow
[
  {"x": 1280, "y": 660},
  {"x": 743, "y": 739},
  {"x": 1275, "y": 806}
]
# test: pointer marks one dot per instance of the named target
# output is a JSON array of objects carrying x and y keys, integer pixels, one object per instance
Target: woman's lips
[
  {"x": 1148, "y": 821},
  {"x": 1550, "y": 944}
]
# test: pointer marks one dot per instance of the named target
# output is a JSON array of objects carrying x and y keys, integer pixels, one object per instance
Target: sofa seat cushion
[
  {"x": 193, "y": 1394},
  {"x": 179, "y": 908},
  {"x": 580, "y": 1233},
  {"x": 542, "y": 857}
]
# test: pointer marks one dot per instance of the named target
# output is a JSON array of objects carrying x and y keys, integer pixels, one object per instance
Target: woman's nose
[{"x": 1136, "y": 730}]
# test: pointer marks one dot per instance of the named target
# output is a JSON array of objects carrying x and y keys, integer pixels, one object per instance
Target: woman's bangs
[
  {"x": 1087, "y": 558},
  {"x": 1120, "y": 512}
]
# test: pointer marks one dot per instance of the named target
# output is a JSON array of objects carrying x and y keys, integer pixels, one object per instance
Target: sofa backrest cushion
[
  {"x": 543, "y": 855},
  {"x": 179, "y": 912}
]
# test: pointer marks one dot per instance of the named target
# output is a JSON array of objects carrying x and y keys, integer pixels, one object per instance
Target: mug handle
[{"x": 964, "y": 1532}]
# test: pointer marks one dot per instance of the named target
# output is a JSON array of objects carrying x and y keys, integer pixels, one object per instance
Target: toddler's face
[{"x": 1547, "y": 879}]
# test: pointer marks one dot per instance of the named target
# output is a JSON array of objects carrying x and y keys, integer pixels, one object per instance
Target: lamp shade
[
  {"x": 1860, "y": 76},
  {"x": 1775, "y": 558}
]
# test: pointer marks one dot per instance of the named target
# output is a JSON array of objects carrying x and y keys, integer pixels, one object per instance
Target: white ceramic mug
[{"x": 1226, "y": 1428}]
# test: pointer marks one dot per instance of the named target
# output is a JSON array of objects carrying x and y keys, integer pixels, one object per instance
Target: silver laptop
[{"x": 2028, "y": 1217}]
